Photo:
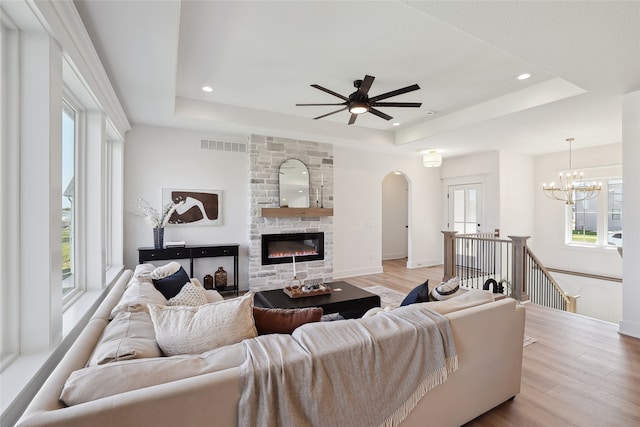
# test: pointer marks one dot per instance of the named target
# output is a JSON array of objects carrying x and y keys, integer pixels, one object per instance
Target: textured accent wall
[{"x": 266, "y": 154}]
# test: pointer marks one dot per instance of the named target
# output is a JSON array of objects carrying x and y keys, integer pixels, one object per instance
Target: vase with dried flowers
[{"x": 157, "y": 219}]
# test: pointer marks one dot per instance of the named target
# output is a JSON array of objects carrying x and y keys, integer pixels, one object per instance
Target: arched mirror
[{"x": 294, "y": 184}]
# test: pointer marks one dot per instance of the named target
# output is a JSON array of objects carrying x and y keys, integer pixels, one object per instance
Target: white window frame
[
  {"x": 70, "y": 101},
  {"x": 602, "y": 213},
  {"x": 9, "y": 213}
]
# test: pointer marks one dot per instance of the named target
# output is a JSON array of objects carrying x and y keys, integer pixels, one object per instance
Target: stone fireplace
[{"x": 266, "y": 154}]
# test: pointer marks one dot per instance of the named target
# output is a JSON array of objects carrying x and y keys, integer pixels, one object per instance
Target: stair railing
[
  {"x": 543, "y": 289},
  {"x": 515, "y": 271}
]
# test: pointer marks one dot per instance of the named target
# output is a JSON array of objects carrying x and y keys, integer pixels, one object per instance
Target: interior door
[
  {"x": 465, "y": 213},
  {"x": 465, "y": 208}
]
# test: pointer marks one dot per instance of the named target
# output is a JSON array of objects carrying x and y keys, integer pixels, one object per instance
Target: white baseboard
[
  {"x": 386, "y": 257},
  {"x": 630, "y": 328},
  {"x": 357, "y": 272},
  {"x": 424, "y": 263}
]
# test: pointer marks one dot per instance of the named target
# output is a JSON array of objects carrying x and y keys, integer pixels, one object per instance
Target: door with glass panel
[
  {"x": 465, "y": 208},
  {"x": 465, "y": 211}
]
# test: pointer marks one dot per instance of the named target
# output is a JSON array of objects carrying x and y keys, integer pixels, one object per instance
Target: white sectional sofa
[{"x": 488, "y": 340}]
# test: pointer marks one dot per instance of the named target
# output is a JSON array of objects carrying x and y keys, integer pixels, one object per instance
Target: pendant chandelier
[{"x": 571, "y": 188}]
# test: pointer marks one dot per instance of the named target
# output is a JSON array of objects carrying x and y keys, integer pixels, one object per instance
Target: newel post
[
  {"x": 518, "y": 252},
  {"x": 449, "y": 255}
]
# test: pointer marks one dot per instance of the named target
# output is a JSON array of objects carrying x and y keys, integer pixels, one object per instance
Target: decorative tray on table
[{"x": 309, "y": 289}]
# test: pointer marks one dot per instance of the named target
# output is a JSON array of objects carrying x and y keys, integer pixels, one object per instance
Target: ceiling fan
[{"x": 359, "y": 102}]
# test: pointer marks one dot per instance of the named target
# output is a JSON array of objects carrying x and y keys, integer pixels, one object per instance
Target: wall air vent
[{"x": 234, "y": 147}]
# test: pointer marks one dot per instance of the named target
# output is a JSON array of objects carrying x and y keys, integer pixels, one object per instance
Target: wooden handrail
[
  {"x": 569, "y": 299},
  {"x": 588, "y": 275}
]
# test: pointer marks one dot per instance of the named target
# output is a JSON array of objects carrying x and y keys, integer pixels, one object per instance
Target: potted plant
[{"x": 157, "y": 219}]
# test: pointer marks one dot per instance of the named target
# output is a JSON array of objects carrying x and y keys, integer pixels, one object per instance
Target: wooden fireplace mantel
[{"x": 296, "y": 212}]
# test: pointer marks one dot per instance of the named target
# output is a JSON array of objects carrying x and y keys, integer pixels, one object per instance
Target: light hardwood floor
[{"x": 580, "y": 372}]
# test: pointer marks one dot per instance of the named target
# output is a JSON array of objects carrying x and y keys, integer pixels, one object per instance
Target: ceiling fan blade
[
  {"x": 366, "y": 84},
  {"x": 353, "y": 118},
  {"x": 324, "y": 89},
  {"x": 395, "y": 93},
  {"x": 396, "y": 104},
  {"x": 380, "y": 114},
  {"x": 311, "y": 105},
  {"x": 328, "y": 114}
]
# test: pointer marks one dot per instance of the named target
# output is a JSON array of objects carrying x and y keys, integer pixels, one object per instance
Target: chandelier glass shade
[
  {"x": 432, "y": 159},
  {"x": 571, "y": 187}
]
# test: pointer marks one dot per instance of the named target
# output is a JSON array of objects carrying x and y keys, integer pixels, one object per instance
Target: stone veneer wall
[{"x": 266, "y": 154}]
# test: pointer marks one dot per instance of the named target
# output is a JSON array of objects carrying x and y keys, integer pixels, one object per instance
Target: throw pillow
[
  {"x": 191, "y": 295},
  {"x": 193, "y": 330},
  {"x": 213, "y": 295},
  {"x": 165, "y": 270},
  {"x": 446, "y": 290},
  {"x": 418, "y": 294},
  {"x": 283, "y": 321},
  {"x": 171, "y": 285},
  {"x": 143, "y": 271}
]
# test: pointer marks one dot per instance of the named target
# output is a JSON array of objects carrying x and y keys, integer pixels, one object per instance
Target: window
[
  {"x": 614, "y": 213},
  {"x": 68, "y": 198},
  {"x": 598, "y": 221},
  {"x": 9, "y": 293}
]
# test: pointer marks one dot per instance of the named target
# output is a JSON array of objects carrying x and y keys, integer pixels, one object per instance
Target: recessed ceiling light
[
  {"x": 396, "y": 123},
  {"x": 524, "y": 76},
  {"x": 429, "y": 113},
  {"x": 207, "y": 89}
]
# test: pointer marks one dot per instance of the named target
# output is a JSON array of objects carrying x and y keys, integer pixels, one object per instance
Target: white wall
[
  {"x": 477, "y": 168},
  {"x": 395, "y": 216},
  {"x": 599, "y": 299},
  {"x": 503, "y": 176},
  {"x": 630, "y": 324},
  {"x": 157, "y": 158},
  {"x": 549, "y": 244},
  {"x": 358, "y": 179},
  {"x": 516, "y": 203}
]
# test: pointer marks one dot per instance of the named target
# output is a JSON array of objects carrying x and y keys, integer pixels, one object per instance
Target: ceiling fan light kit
[
  {"x": 358, "y": 107},
  {"x": 359, "y": 102}
]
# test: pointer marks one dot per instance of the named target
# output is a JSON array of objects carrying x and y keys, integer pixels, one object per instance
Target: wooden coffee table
[{"x": 348, "y": 300}]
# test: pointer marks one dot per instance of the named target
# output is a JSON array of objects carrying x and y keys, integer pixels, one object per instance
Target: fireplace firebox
[{"x": 280, "y": 248}]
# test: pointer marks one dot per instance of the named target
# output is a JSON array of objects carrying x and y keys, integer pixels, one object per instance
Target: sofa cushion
[
  {"x": 96, "y": 382},
  {"x": 418, "y": 294},
  {"x": 127, "y": 336},
  {"x": 283, "y": 321},
  {"x": 170, "y": 286},
  {"x": 193, "y": 330},
  {"x": 191, "y": 295},
  {"x": 465, "y": 299},
  {"x": 138, "y": 294}
]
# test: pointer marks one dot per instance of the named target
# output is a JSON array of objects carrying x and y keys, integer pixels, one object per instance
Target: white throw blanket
[{"x": 365, "y": 372}]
